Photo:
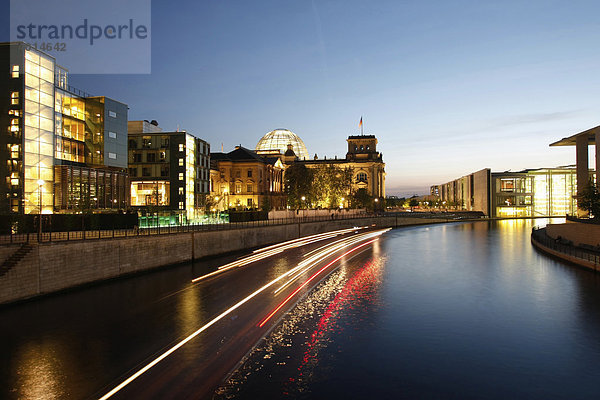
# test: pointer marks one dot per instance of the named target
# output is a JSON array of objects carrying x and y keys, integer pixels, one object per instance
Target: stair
[{"x": 14, "y": 259}]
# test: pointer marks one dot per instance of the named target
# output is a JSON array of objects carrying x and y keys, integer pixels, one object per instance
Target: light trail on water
[{"x": 294, "y": 270}]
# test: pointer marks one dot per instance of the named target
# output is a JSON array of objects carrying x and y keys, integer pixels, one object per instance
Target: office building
[
  {"x": 541, "y": 192},
  {"x": 62, "y": 150},
  {"x": 169, "y": 171}
]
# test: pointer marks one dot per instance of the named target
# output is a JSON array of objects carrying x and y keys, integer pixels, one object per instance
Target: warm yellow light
[{"x": 40, "y": 182}]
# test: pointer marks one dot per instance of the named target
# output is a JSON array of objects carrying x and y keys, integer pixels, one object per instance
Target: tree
[
  {"x": 361, "y": 199},
  {"x": 588, "y": 199},
  {"x": 413, "y": 203},
  {"x": 266, "y": 204},
  {"x": 298, "y": 183}
]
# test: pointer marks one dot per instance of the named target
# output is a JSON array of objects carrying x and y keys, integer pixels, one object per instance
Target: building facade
[
  {"x": 244, "y": 179},
  {"x": 169, "y": 171},
  {"x": 64, "y": 150},
  {"x": 362, "y": 159},
  {"x": 528, "y": 193}
]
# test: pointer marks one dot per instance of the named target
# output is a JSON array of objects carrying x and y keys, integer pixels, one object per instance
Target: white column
[{"x": 581, "y": 146}]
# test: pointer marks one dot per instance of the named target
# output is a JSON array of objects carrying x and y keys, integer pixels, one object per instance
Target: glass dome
[{"x": 279, "y": 140}]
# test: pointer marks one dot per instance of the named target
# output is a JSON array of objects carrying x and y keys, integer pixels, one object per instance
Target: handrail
[
  {"x": 566, "y": 247},
  {"x": 166, "y": 230}
]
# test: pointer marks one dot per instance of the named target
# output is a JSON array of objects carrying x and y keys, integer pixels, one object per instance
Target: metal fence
[
  {"x": 564, "y": 246},
  {"x": 166, "y": 230}
]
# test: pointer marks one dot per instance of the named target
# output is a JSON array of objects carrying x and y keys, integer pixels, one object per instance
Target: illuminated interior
[
  {"x": 150, "y": 193},
  {"x": 190, "y": 175},
  {"x": 39, "y": 133},
  {"x": 537, "y": 193}
]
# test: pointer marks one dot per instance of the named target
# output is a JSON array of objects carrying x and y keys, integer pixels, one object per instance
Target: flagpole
[{"x": 362, "y": 133}]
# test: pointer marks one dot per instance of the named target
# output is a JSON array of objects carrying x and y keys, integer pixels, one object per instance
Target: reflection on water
[
  {"x": 291, "y": 352},
  {"x": 41, "y": 373},
  {"x": 468, "y": 310}
]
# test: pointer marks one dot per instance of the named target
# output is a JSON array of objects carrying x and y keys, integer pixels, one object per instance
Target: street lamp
[
  {"x": 303, "y": 198},
  {"x": 40, "y": 186}
]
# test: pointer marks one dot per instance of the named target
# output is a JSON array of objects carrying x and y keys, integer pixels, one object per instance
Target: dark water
[{"x": 459, "y": 311}]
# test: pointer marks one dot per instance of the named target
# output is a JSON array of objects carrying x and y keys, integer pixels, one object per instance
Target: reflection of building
[
  {"x": 61, "y": 149},
  {"x": 169, "y": 171},
  {"x": 244, "y": 179},
  {"x": 366, "y": 163},
  {"x": 528, "y": 193}
]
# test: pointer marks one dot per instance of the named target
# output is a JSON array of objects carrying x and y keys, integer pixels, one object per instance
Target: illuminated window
[
  {"x": 507, "y": 185},
  {"x": 181, "y": 176},
  {"x": 181, "y": 190},
  {"x": 112, "y": 135},
  {"x": 181, "y": 162},
  {"x": 14, "y": 151},
  {"x": 16, "y": 113},
  {"x": 112, "y": 155},
  {"x": 112, "y": 114},
  {"x": 14, "y": 96},
  {"x": 181, "y": 207},
  {"x": 238, "y": 188},
  {"x": 15, "y": 71},
  {"x": 180, "y": 146}
]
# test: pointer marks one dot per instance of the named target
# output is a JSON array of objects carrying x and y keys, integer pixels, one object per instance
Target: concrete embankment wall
[
  {"x": 51, "y": 267},
  {"x": 577, "y": 232}
]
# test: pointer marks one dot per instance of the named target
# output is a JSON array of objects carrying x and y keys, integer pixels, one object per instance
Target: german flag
[{"x": 360, "y": 123}]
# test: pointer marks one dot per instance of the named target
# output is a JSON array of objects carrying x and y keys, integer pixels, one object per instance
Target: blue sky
[{"x": 448, "y": 87}]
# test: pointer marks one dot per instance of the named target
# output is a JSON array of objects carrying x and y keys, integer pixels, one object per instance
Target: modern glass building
[
  {"x": 169, "y": 172},
  {"x": 535, "y": 192},
  {"x": 529, "y": 193},
  {"x": 54, "y": 130}
]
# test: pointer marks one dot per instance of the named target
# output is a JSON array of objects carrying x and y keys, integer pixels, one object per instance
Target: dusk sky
[{"x": 448, "y": 87}]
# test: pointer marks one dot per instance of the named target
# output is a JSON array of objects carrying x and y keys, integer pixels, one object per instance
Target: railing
[
  {"x": 565, "y": 246},
  {"x": 166, "y": 230},
  {"x": 594, "y": 221}
]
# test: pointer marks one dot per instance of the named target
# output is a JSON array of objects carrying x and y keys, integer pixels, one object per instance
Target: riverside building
[
  {"x": 169, "y": 172},
  {"x": 244, "y": 179},
  {"x": 542, "y": 192},
  {"x": 61, "y": 149},
  {"x": 362, "y": 158}
]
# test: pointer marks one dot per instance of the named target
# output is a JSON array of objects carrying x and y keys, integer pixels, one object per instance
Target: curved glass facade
[{"x": 279, "y": 140}]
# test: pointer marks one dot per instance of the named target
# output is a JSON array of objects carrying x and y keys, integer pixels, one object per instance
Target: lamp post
[
  {"x": 303, "y": 198},
  {"x": 40, "y": 186}
]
